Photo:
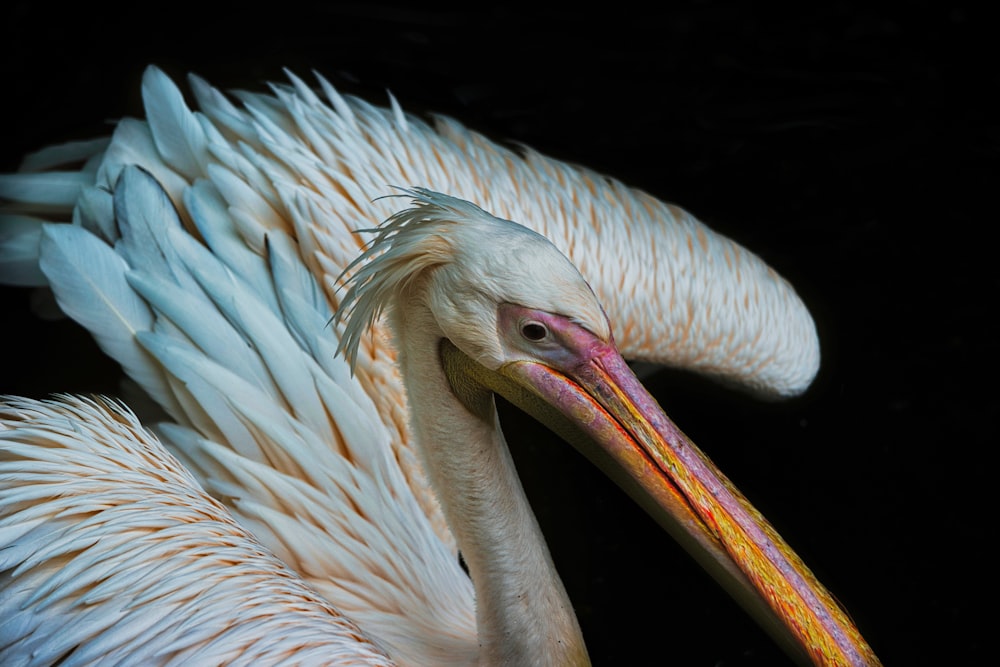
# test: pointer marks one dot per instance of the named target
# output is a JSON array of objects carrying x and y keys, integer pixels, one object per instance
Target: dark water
[{"x": 855, "y": 149}]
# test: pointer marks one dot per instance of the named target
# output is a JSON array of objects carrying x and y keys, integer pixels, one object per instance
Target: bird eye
[{"x": 534, "y": 331}]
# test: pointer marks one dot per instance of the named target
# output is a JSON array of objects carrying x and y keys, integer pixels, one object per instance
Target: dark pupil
[{"x": 533, "y": 331}]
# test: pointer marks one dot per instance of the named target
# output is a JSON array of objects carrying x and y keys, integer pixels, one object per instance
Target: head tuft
[{"x": 477, "y": 261}]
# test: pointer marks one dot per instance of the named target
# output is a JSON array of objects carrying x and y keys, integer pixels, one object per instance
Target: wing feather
[
  {"x": 48, "y": 191},
  {"x": 52, "y": 157},
  {"x": 19, "y": 249},
  {"x": 88, "y": 280},
  {"x": 129, "y": 560},
  {"x": 178, "y": 135}
]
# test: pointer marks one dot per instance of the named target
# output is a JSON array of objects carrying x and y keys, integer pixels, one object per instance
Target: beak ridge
[{"x": 721, "y": 525}]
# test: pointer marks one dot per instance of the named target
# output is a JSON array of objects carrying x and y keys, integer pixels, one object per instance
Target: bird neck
[{"x": 523, "y": 613}]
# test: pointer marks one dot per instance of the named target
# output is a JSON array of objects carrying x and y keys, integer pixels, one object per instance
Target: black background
[{"x": 853, "y": 147}]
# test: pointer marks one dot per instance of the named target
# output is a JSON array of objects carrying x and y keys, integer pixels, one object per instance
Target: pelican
[{"x": 205, "y": 256}]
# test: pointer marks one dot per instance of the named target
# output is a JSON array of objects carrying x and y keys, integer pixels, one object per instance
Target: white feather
[
  {"x": 132, "y": 144},
  {"x": 20, "y": 237},
  {"x": 88, "y": 280},
  {"x": 653, "y": 266},
  {"x": 57, "y": 155},
  {"x": 213, "y": 389},
  {"x": 227, "y": 118},
  {"x": 178, "y": 135},
  {"x": 49, "y": 191},
  {"x": 197, "y": 318},
  {"x": 144, "y": 216},
  {"x": 204, "y": 575},
  {"x": 95, "y": 212}
]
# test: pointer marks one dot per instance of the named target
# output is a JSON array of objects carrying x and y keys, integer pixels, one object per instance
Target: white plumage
[
  {"x": 215, "y": 292},
  {"x": 115, "y": 555}
]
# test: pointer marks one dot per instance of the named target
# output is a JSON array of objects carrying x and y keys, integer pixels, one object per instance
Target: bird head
[
  {"x": 478, "y": 274},
  {"x": 516, "y": 318}
]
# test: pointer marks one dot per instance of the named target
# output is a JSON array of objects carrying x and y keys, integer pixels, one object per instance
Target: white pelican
[{"x": 216, "y": 310}]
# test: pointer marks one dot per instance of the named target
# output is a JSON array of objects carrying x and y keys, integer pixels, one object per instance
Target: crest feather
[{"x": 406, "y": 245}]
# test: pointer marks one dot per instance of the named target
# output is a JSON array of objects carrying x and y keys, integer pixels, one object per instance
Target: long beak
[{"x": 601, "y": 408}]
